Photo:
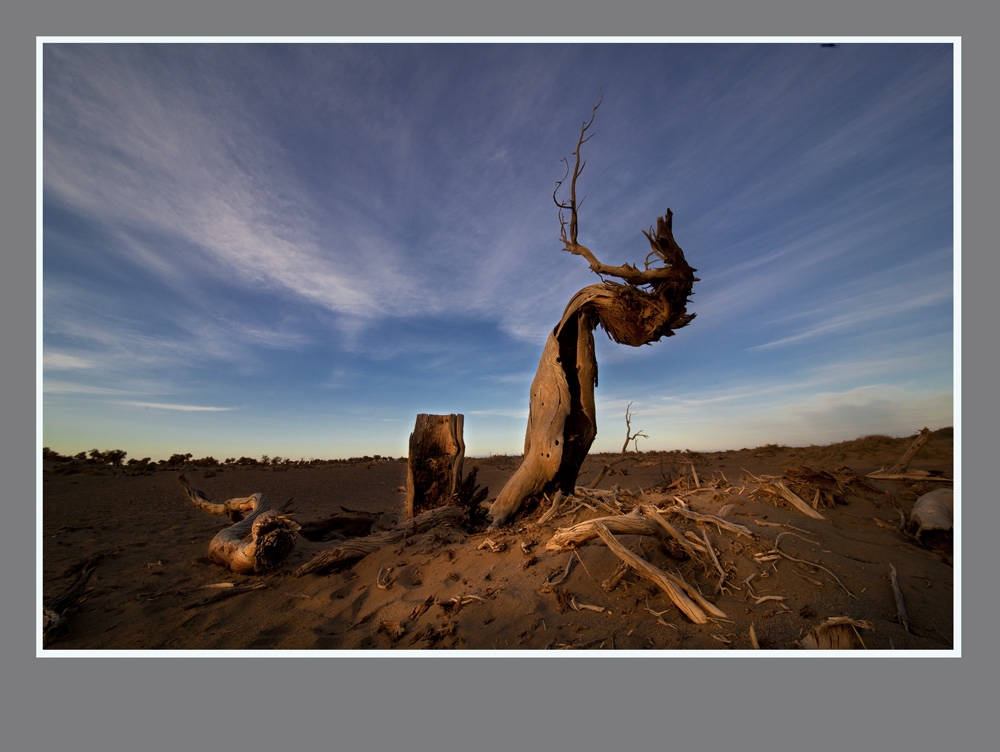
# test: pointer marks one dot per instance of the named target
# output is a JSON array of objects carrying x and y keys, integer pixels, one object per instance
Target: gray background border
[{"x": 481, "y": 703}]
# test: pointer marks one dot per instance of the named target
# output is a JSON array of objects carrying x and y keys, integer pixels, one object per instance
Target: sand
[{"x": 449, "y": 589}]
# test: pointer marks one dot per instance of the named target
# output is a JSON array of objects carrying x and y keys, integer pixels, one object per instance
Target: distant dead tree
[{"x": 645, "y": 305}]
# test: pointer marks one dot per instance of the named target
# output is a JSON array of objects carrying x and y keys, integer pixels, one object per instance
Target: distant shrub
[
  {"x": 768, "y": 450},
  {"x": 48, "y": 454}
]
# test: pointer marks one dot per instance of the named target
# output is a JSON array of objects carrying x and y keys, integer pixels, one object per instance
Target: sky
[{"x": 292, "y": 249}]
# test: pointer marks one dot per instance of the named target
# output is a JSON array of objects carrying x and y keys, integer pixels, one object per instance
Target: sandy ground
[{"x": 450, "y": 589}]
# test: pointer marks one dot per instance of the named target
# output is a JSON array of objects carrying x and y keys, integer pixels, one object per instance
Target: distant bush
[
  {"x": 48, "y": 454},
  {"x": 768, "y": 450}
]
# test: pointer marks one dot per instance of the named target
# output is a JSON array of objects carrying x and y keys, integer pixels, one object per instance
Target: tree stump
[{"x": 434, "y": 467}]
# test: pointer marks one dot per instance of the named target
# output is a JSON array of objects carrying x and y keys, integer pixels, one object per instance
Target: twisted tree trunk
[{"x": 562, "y": 421}]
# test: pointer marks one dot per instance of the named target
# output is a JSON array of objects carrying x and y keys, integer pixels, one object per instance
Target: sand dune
[{"x": 150, "y": 586}]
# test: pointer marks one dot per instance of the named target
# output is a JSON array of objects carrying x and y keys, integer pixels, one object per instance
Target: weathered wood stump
[{"x": 434, "y": 468}]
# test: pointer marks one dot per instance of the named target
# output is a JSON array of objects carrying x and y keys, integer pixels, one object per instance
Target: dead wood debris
[
  {"x": 836, "y": 633},
  {"x": 487, "y": 543},
  {"x": 796, "y": 502},
  {"x": 551, "y": 511},
  {"x": 384, "y": 579},
  {"x": 585, "y": 606},
  {"x": 897, "y": 593},
  {"x": 226, "y": 594},
  {"x": 683, "y": 595},
  {"x": 617, "y": 576},
  {"x": 258, "y": 542},
  {"x": 715, "y": 560},
  {"x": 810, "y": 563},
  {"x": 549, "y": 584},
  {"x": 717, "y": 521}
]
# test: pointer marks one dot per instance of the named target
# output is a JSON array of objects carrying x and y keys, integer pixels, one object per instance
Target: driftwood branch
[
  {"x": 715, "y": 560},
  {"x": 623, "y": 524},
  {"x": 670, "y": 584},
  {"x": 717, "y": 521},
  {"x": 653, "y": 513},
  {"x": 915, "y": 446},
  {"x": 797, "y": 502}
]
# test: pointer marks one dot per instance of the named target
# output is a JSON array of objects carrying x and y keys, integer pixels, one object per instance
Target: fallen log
[{"x": 259, "y": 542}]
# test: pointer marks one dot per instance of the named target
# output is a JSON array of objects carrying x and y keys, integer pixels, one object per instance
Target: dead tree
[
  {"x": 645, "y": 305},
  {"x": 630, "y": 437}
]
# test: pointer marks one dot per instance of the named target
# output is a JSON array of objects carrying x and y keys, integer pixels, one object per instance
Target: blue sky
[{"x": 292, "y": 249}]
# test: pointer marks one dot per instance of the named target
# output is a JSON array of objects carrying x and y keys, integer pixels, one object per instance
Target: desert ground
[{"x": 124, "y": 558}]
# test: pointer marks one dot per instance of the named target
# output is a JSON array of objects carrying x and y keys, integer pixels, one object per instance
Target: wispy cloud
[
  {"x": 182, "y": 408},
  {"x": 61, "y": 361},
  {"x": 859, "y": 315},
  {"x": 68, "y": 387}
]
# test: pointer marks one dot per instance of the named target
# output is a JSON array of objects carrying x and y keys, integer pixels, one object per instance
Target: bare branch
[{"x": 573, "y": 206}]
